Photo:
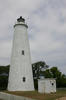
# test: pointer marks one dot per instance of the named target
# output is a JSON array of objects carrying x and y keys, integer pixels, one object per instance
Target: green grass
[{"x": 39, "y": 96}]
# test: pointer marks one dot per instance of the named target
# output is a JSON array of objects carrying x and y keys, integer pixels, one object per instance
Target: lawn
[{"x": 39, "y": 96}]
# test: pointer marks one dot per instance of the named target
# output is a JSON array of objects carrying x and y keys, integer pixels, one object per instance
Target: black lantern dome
[{"x": 21, "y": 19}]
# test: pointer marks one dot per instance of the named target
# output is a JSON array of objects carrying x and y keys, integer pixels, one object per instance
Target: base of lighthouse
[
  {"x": 19, "y": 84},
  {"x": 20, "y": 74},
  {"x": 21, "y": 87}
]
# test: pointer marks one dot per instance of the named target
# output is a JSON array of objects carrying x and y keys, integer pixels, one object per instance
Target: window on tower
[
  {"x": 24, "y": 79},
  {"x": 22, "y": 52},
  {"x": 52, "y": 84}
]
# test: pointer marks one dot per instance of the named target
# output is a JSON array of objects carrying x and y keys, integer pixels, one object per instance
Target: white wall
[
  {"x": 20, "y": 64},
  {"x": 47, "y": 85}
]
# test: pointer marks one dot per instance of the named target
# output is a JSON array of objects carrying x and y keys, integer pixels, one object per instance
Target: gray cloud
[{"x": 47, "y": 29}]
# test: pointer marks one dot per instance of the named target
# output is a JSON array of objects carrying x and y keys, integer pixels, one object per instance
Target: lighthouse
[{"x": 20, "y": 73}]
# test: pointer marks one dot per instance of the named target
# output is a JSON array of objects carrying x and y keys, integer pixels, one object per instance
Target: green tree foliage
[
  {"x": 3, "y": 82},
  {"x": 38, "y": 68},
  {"x": 4, "y": 72},
  {"x": 4, "y": 69},
  {"x": 55, "y": 73},
  {"x": 47, "y": 73}
]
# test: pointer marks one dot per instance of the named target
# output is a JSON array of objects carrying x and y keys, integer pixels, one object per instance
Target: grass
[{"x": 39, "y": 96}]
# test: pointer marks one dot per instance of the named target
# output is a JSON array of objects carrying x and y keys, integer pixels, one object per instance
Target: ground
[
  {"x": 63, "y": 98},
  {"x": 39, "y": 96}
]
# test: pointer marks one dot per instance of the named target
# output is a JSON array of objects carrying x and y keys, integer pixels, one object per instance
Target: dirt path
[{"x": 63, "y": 98}]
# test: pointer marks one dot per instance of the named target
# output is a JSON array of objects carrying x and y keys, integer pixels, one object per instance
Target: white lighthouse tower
[{"x": 20, "y": 74}]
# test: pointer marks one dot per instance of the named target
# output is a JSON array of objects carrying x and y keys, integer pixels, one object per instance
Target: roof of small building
[{"x": 48, "y": 79}]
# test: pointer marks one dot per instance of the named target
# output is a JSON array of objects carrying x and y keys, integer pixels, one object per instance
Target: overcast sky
[{"x": 47, "y": 29}]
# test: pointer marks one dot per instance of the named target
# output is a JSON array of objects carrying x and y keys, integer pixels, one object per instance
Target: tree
[
  {"x": 55, "y": 73},
  {"x": 4, "y": 72},
  {"x": 3, "y": 82},
  {"x": 38, "y": 69},
  {"x": 4, "y": 69},
  {"x": 47, "y": 73}
]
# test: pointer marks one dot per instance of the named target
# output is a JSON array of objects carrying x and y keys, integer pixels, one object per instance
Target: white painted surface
[
  {"x": 47, "y": 85},
  {"x": 20, "y": 64}
]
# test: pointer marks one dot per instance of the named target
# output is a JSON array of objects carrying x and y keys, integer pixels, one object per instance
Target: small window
[
  {"x": 22, "y": 52},
  {"x": 52, "y": 84},
  {"x": 24, "y": 79}
]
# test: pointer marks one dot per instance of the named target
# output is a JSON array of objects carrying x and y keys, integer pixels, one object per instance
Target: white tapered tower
[{"x": 20, "y": 74}]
